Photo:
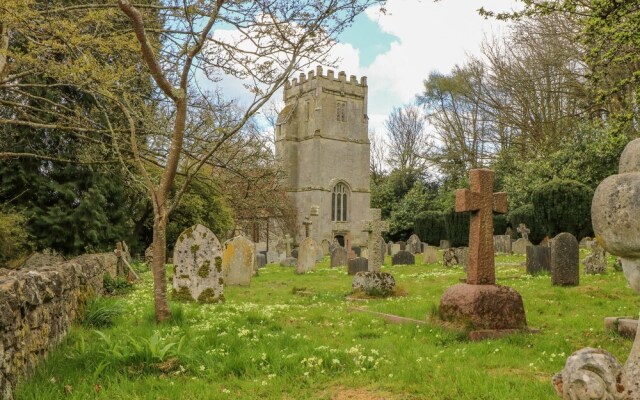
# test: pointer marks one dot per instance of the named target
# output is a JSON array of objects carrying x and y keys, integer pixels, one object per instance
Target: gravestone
[
  {"x": 358, "y": 264},
  {"x": 148, "y": 255},
  {"x": 325, "y": 244},
  {"x": 449, "y": 258},
  {"x": 444, "y": 244},
  {"x": 538, "y": 259},
  {"x": 403, "y": 245},
  {"x": 364, "y": 253},
  {"x": 480, "y": 302},
  {"x": 198, "y": 266},
  {"x": 308, "y": 252},
  {"x": 389, "y": 246},
  {"x": 320, "y": 254},
  {"x": 261, "y": 260},
  {"x": 403, "y": 257},
  {"x": 238, "y": 261},
  {"x": 374, "y": 283},
  {"x": 565, "y": 269},
  {"x": 383, "y": 249},
  {"x": 288, "y": 262},
  {"x": 462, "y": 254},
  {"x": 374, "y": 228},
  {"x": 357, "y": 250},
  {"x": 520, "y": 246},
  {"x": 339, "y": 257},
  {"x": 430, "y": 254},
  {"x": 348, "y": 243},
  {"x": 395, "y": 248},
  {"x": 272, "y": 257},
  {"x": 596, "y": 262},
  {"x": 523, "y": 231},
  {"x": 288, "y": 242},
  {"x": 260, "y": 247},
  {"x": 502, "y": 243},
  {"x": 294, "y": 253},
  {"x": 307, "y": 226},
  {"x": 413, "y": 244},
  {"x": 585, "y": 243}
]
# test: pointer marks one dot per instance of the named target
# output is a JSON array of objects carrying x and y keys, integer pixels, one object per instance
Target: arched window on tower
[{"x": 339, "y": 197}]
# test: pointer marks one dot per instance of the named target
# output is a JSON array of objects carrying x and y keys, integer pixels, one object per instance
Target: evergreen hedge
[
  {"x": 526, "y": 215},
  {"x": 563, "y": 205},
  {"x": 430, "y": 227},
  {"x": 457, "y": 227}
]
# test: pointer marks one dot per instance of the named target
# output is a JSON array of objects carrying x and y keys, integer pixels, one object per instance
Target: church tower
[{"x": 322, "y": 141}]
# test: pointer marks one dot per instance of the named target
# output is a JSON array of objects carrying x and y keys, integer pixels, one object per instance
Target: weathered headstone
[
  {"x": 389, "y": 246},
  {"x": 444, "y": 244},
  {"x": 414, "y": 244},
  {"x": 596, "y": 262},
  {"x": 357, "y": 250},
  {"x": 288, "y": 242},
  {"x": 403, "y": 257},
  {"x": 480, "y": 301},
  {"x": 430, "y": 254},
  {"x": 462, "y": 254},
  {"x": 308, "y": 252},
  {"x": 238, "y": 261},
  {"x": 449, "y": 258},
  {"x": 374, "y": 227},
  {"x": 538, "y": 259},
  {"x": 339, "y": 257},
  {"x": 585, "y": 242},
  {"x": 523, "y": 231},
  {"x": 520, "y": 246},
  {"x": 402, "y": 244},
  {"x": 358, "y": 264},
  {"x": 320, "y": 253},
  {"x": 395, "y": 248},
  {"x": 565, "y": 268},
  {"x": 261, "y": 260},
  {"x": 502, "y": 243},
  {"x": 325, "y": 244},
  {"x": 198, "y": 266},
  {"x": 272, "y": 257},
  {"x": 294, "y": 253},
  {"x": 288, "y": 262},
  {"x": 374, "y": 283}
]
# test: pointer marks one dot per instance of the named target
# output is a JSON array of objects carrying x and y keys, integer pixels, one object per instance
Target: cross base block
[{"x": 483, "y": 306}]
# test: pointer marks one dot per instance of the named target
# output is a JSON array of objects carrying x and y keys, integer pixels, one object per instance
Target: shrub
[
  {"x": 563, "y": 206},
  {"x": 500, "y": 224},
  {"x": 12, "y": 225},
  {"x": 430, "y": 227},
  {"x": 457, "y": 226},
  {"x": 118, "y": 285}
]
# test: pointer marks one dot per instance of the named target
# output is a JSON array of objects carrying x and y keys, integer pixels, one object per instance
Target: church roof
[{"x": 285, "y": 114}]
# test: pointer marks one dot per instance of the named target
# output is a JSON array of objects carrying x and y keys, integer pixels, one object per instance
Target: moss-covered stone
[
  {"x": 209, "y": 296},
  {"x": 182, "y": 294},
  {"x": 205, "y": 269},
  {"x": 218, "y": 264},
  {"x": 195, "y": 248}
]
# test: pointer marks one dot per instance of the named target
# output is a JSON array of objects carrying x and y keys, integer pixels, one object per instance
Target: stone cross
[
  {"x": 482, "y": 202},
  {"x": 524, "y": 231},
  {"x": 375, "y": 226},
  {"x": 307, "y": 226},
  {"x": 288, "y": 241}
]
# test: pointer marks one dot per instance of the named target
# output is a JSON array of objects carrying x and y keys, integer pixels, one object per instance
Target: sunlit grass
[{"x": 268, "y": 341}]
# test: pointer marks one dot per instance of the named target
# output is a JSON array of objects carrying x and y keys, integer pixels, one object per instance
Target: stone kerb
[{"x": 38, "y": 306}]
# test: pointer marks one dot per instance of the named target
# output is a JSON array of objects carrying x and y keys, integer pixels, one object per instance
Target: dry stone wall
[{"x": 37, "y": 307}]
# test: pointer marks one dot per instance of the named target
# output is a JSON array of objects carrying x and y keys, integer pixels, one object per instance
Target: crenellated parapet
[{"x": 317, "y": 79}]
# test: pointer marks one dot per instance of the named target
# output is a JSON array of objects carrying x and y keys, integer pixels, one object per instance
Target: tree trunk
[{"x": 158, "y": 264}]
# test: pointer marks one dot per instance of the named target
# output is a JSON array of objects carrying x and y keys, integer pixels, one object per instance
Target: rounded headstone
[
  {"x": 403, "y": 257},
  {"x": 307, "y": 255},
  {"x": 565, "y": 257},
  {"x": 238, "y": 261}
]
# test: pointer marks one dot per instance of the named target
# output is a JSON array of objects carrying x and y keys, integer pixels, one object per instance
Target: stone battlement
[{"x": 330, "y": 76}]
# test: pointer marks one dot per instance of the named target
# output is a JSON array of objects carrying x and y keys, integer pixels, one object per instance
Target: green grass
[{"x": 269, "y": 341}]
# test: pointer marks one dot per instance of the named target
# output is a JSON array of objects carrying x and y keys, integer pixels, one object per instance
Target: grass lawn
[{"x": 276, "y": 340}]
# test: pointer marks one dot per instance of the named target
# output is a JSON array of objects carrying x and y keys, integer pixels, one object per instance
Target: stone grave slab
[
  {"x": 414, "y": 244},
  {"x": 430, "y": 254},
  {"x": 520, "y": 246},
  {"x": 339, "y": 257}
]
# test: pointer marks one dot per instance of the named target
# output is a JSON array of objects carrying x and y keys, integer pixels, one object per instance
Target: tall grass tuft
[{"x": 102, "y": 312}]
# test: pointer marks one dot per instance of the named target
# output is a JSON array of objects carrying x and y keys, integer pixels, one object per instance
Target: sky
[{"x": 398, "y": 50}]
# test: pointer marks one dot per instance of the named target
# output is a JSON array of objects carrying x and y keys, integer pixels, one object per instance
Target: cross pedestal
[
  {"x": 524, "y": 231},
  {"x": 480, "y": 302},
  {"x": 375, "y": 226}
]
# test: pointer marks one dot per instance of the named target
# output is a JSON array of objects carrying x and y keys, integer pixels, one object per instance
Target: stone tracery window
[{"x": 339, "y": 196}]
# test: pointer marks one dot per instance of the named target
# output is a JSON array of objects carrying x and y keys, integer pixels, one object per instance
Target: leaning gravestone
[
  {"x": 565, "y": 257},
  {"x": 403, "y": 257},
  {"x": 339, "y": 257},
  {"x": 198, "y": 266},
  {"x": 520, "y": 246},
  {"x": 430, "y": 254},
  {"x": 238, "y": 261},
  {"x": 462, "y": 255},
  {"x": 502, "y": 243},
  {"x": 358, "y": 264},
  {"x": 414, "y": 244},
  {"x": 307, "y": 254},
  {"x": 538, "y": 259},
  {"x": 596, "y": 262}
]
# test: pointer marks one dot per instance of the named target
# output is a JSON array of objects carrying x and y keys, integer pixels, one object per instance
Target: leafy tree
[{"x": 16, "y": 240}]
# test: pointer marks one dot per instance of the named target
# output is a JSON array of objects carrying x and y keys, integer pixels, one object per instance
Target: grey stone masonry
[
  {"x": 37, "y": 308},
  {"x": 403, "y": 257},
  {"x": 565, "y": 269},
  {"x": 358, "y": 264},
  {"x": 538, "y": 259},
  {"x": 374, "y": 228}
]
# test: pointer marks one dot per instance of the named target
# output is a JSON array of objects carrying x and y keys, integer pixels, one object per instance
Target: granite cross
[
  {"x": 482, "y": 202},
  {"x": 524, "y": 231},
  {"x": 375, "y": 226},
  {"x": 288, "y": 241},
  {"x": 307, "y": 225}
]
